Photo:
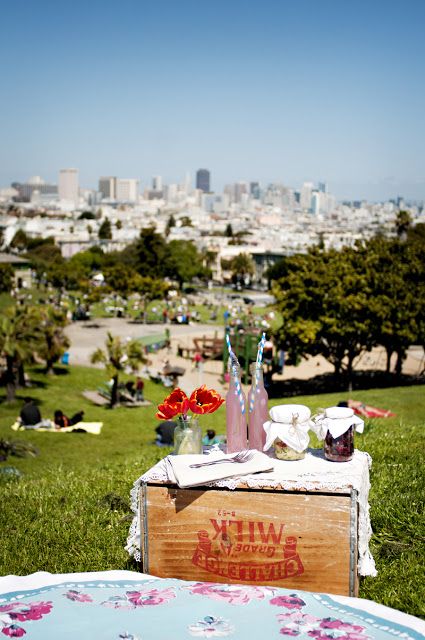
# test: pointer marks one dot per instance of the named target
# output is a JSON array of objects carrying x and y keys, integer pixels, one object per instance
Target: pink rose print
[
  {"x": 32, "y": 611},
  {"x": 13, "y": 631},
  {"x": 332, "y": 623},
  {"x": 153, "y": 597},
  {"x": 232, "y": 594},
  {"x": 78, "y": 596},
  {"x": 290, "y": 602}
]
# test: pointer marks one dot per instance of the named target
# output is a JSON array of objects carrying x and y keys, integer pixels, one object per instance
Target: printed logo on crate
[{"x": 247, "y": 550}]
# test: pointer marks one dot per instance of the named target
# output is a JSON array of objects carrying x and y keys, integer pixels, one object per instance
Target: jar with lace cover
[
  {"x": 336, "y": 426},
  {"x": 287, "y": 431}
]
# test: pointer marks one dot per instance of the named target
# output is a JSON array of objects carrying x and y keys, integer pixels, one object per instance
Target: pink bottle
[
  {"x": 235, "y": 419},
  {"x": 260, "y": 413}
]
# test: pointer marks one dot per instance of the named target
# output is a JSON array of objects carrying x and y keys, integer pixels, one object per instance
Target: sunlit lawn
[{"x": 69, "y": 510}]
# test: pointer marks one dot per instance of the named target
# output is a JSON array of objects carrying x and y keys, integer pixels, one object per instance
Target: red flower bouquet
[
  {"x": 188, "y": 435},
  {"x": 201, "y": 401}
]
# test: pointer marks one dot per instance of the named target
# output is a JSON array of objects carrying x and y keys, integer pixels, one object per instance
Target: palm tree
[
  {"x": 54, "y": 342},
  {"x": 116, "y": 357},
  {"x": 19, "y": 336}
]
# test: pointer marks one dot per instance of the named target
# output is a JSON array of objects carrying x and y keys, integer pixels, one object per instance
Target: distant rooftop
[{"x": 9, "y": 258}]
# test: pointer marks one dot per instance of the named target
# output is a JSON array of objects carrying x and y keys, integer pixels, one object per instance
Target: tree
[
  {"x": 105, "y": 230},
  {"x": 183, "y": 262},
  {"x": 116, "y": 357},
  {"x": 87, "y": 215},
  {"x": 19, "y": 241},
  {"x": 19, "y": 336},
  {"x": 148, "y": 253},
  {"x": 6, "y": 278},
  {"x": 54, "y": 342},
  {"x": 149, "y": 289},
  {"x": 402, "y": 223},
  {"x": 324, "y": 302},
  {"x": 229, "y": 231},
  {"x": 119, "y": 277},
  {"x": 242, "y": 266},
  {"x": 118, "y": 224},
  {"x": 171, "y": 222}
]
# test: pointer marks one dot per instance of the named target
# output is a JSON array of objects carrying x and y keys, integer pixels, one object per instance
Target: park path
[{"x": 87, "y": 336}]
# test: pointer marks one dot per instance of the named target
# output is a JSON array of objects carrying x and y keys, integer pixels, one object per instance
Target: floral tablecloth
[{"x": 126, "y": 605}]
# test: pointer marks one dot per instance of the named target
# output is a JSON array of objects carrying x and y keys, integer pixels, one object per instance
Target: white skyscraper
[
  {"x": 68, "y": 185},
  {"x": 306, "y": 193},
  {"x": 108, "y": 187},
  {"x": 127, "y": 189}
]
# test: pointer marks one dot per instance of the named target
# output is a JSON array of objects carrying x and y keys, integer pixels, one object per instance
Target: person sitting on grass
[
  {"x": 30, "y": 416},
  {"x": 61, "y": 420}
]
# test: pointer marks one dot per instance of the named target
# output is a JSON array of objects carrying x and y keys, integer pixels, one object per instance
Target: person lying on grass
[{"x": 61, "y": 420}]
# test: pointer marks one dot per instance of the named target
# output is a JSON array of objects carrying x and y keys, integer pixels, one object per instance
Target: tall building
[
  {"x": 305, "y": 196},
  {"x": 26, "y": 189},
  {"x": 108, "y": 187},
  {"x": 157, "y": 183},
  {"x": 68, "y": 185},
  {"x": 203, "y": 180},
  {"x": 127, "y": 189}
]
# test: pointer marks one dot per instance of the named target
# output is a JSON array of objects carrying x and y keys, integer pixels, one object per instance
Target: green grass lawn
[{"x": 69, "y": 510}]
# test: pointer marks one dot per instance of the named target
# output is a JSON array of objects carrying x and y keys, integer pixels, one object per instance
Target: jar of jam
[{"x": 340, "y": 449}]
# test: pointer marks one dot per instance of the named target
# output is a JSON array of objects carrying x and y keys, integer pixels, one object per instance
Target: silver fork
[{"x": 241, "y": 456}]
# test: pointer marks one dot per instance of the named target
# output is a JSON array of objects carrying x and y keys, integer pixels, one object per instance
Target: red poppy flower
[
  {"x": 205, "y": 400},
  {"x": 177, "y": 402}
]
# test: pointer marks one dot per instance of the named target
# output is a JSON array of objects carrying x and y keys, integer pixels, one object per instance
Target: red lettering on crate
[{"x": 224, "y": 552}]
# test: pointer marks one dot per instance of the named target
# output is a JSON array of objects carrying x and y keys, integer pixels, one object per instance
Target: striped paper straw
[
  {"x": 257, "y": 371},
  {"x": 234, "y": 363}
]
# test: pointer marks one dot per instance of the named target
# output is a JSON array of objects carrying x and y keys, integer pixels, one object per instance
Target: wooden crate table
[{"x": 305, "y": 525}]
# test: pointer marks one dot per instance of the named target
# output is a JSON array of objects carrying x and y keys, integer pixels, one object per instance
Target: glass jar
[
  {"x": 339, "y": 449},
  {"x": 187, "y": 436},
  {"x": 285, "y": 452}
]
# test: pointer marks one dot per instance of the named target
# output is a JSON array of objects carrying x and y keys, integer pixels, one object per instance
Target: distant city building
[
  {"x": 323, "y": 187},
  {"x": 254, "y": 190},
  {"x": 108, "y": 187},
  {"x": 203, "y": 180},
  {"x": 25, "y": 190},
  {"x": 68, "y": 185},
  {"x": 127, "y": 189},
  {"x": 157, "y": 183},
  {"x": 305, "y": 196}
]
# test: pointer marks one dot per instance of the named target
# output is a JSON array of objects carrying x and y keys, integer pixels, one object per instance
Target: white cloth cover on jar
[
  {"x": 336, "y": 420},
  {"x": 290, "y": 423}
]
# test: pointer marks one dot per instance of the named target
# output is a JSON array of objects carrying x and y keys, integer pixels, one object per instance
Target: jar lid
[
  {"x": 286, "y": 412},
  {"x": 335, "y": 413}
]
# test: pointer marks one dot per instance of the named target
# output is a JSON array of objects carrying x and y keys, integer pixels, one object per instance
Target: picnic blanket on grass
[
  {"x": 87, "y": 427},
  {"x": 122, "y": 605}
]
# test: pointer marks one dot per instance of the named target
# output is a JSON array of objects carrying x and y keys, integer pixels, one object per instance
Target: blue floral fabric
[{"x": 169, "y": 609}]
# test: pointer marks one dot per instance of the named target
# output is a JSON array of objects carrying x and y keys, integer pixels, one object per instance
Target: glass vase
[
  {"x": 187, "y": 436},
  {"x": 339, "y": 449}
]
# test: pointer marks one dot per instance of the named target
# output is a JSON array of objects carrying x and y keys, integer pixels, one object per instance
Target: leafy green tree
[
  {"x": 19, "y": 336},
  {"x": 185, "y": 221},
  {"x": 229, "y": 231},
  {"x": 116, "y": 357},
  {"x": 119, "y": 278},
  {"x": 148, "y": 253},
  {"x": 87, "y": 215},
  {"x": 118, "y": 224},
  {"x": 149, "y": 289},
  {"x": 403, "y": 223},
  {"x": 6, "y": 278},
  {"x": 88, "y": 261},
  {"x": 183, "y": 261},
  {"x": 19, "y": 241},
  {"x": 241, "y": 266},
  {"x": 54, "y": 342},
  {"x": 105, "y": 230},
  {"x": 324, "y": 302},
  {"x": 171, "y": 222}
]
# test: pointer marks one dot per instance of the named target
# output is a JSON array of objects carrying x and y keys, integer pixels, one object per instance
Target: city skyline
[{"x": 272, "y": 93}]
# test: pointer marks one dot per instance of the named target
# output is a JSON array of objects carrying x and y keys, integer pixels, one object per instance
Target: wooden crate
[{"x": 294, "y": 539}]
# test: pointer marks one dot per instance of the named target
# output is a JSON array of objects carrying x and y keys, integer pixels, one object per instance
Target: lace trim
[{"x": 307, "y": 481}]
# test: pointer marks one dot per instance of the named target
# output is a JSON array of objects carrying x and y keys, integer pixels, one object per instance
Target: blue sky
[{"x": 272, "y": 90}]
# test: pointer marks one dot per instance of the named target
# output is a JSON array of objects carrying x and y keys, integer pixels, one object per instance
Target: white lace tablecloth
[{"x": 313, "y": 473}]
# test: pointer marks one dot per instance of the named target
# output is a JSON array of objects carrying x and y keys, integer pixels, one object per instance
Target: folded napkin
[{"x": 187, "y": 477}]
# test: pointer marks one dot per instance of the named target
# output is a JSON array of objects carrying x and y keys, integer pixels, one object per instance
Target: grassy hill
[{"x": 69, "y": 511}]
